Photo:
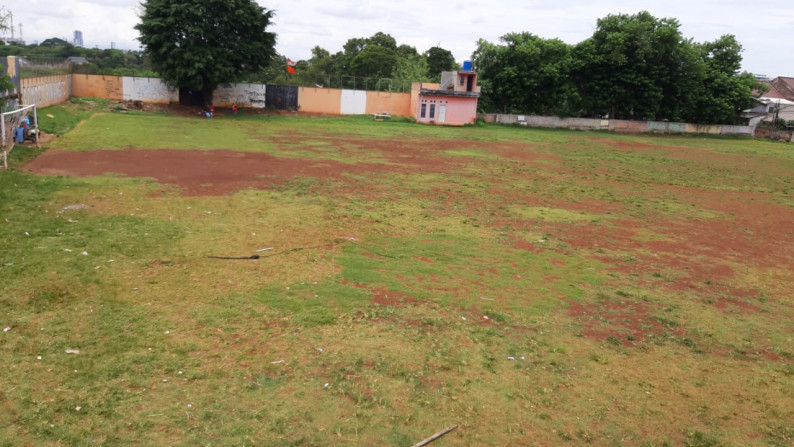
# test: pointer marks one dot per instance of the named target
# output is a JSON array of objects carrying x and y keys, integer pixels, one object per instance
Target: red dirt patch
[
  {"x": 197, "y": 173},
  {"x": 627, "y": 322},
  {"x": 385, "y": 297},
  {"x": 527, "y": 246}
]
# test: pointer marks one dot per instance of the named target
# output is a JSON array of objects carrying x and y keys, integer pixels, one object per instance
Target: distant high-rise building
[
  {"x": 112, "y": 45},
  {"x": 78, "y": 38}
]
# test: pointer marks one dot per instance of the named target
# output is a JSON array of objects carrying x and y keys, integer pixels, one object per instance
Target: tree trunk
[{"x": 207, "y": 92}]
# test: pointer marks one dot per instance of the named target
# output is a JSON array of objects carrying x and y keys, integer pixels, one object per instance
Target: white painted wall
[
  {"x": 243, "y": 95},
  {"x": 354, "y": 102},
  {"x": 151, "y": 90},
  {"x": 47, "y": 91}
]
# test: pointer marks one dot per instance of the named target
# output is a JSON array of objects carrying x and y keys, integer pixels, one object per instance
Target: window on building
[
  {"x": 462, "y": 80},
  {"x": 432, "y": 110},
  {"x": 424, "y": 110}
]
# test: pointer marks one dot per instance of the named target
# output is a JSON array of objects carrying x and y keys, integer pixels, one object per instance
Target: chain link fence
[
  {"x": 345, "y": 82},
  {"x": 31, "y": 67}
]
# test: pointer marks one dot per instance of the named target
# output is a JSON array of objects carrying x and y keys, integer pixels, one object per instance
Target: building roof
[
  {"x": 781, "y": 87},
  {"x": 77, "y": 60},
  {"x": 772, "y": 93}
]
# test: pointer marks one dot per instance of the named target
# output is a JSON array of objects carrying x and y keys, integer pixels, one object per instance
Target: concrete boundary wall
[
  {"x": 98, "y": 86},
  {"x": 310, "y": 99},
  {"x": 241, "y": 95},
  {"x": 149, "y": 90},
  {"x": 396, "y": 104},
  {"x": 354, "y": 102},
  {"x": 320, "y": 100},
  {"x": 547, "y": 121},
  {"x": 46, "y": 90},
  {"x": 621, "y": 126}
]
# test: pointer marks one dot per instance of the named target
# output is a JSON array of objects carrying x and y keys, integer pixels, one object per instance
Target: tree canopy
[
  {"x": 527, "y": 73},
  {"x": 200, "y": 44},
  {"x": 377, "y": 56},
  {"x": 633, "y": 67},
  {"x": 438, "y": 60}
]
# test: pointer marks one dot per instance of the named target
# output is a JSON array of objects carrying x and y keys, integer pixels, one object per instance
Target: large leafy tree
[
  {"x": 200, "y": 44},
  {"x": 374, "y": 61},
  {"x": 725, "y": 92},
  {"x": 632, "y": 65},
  {"x": 527, "y": 74},
  {"x": 377, "y": 56},
  {"x": 438, "y": 60}
]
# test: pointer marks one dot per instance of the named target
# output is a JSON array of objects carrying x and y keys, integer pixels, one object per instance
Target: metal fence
[
  {"x": 31, "y": 67},
  {"x": 345, "y": 82}
]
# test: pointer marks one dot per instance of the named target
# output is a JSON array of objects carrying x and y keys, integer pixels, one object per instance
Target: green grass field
[{"x": 533, "y": 287}]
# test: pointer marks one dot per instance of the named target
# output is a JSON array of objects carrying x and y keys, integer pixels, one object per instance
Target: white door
[{"x": 442, "y": 113}]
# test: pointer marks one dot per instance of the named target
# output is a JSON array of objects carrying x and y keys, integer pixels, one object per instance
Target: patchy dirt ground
[
  {"x": 520, "y": 283},
  {"x": 705, "y": 257}
]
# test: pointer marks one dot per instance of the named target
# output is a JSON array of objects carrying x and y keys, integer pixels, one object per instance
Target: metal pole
[
  {"x": 36, "y": 120},
  {"x": 3, "y": 127}
]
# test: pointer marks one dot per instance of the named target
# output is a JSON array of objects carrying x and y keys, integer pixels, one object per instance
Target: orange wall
[
  {"x": 108, "y": 87},
  {"x": 397, "y": 104},
  {"x": 319, "y": 100}
]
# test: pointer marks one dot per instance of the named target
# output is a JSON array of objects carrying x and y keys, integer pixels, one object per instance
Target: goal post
[{"x": 11, "y": 121}]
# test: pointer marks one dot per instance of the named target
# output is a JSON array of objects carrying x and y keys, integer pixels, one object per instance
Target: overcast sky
[{"x": 765, "y": 29}]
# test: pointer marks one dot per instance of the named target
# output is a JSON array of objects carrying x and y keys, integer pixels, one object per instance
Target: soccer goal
[{"x": 16, "y": 127}]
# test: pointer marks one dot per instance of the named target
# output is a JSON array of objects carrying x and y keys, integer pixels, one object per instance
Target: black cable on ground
[
  {"x": 226, "y": 257},
  {"x": 292, "y": 250}
]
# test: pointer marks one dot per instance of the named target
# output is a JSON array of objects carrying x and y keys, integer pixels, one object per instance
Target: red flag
[{"x": 290, "y": 66}]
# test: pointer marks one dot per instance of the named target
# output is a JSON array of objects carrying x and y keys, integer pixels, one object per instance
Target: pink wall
[{"x": 459, "y": 110}]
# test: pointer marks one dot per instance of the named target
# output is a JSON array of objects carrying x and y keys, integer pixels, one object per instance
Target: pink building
[{"x": 451, "y": 102}]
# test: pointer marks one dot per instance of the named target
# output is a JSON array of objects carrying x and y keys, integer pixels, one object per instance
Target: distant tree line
[
  {"x": 377, "y": 56},
  {"x": 633, "y": 67},
  {"x": 100, "y": 61}
]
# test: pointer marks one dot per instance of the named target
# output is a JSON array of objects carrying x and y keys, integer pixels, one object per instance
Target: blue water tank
[{"x": 466, "y": 65}]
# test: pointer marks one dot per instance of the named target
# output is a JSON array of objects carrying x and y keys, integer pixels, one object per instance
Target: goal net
[{"x": 16, "y": 127}]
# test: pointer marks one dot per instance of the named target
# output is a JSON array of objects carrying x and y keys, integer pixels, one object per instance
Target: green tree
[
  {"x": 370, "y": 57},
  {"x": 527, "y": 74},
  {"x": 631, "y": 66},
  {"x": 200, "y": 44},
  {"x": 5, "y": 81},
  {"x": 725, "y": 92},
  {"x": 374, "y": 62},
  {"x": 438, "y": 60},
  {"x": 384, "y": 40},
  {"x": 411, "y": 68},
  {"x": 54, "y": 42}
]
